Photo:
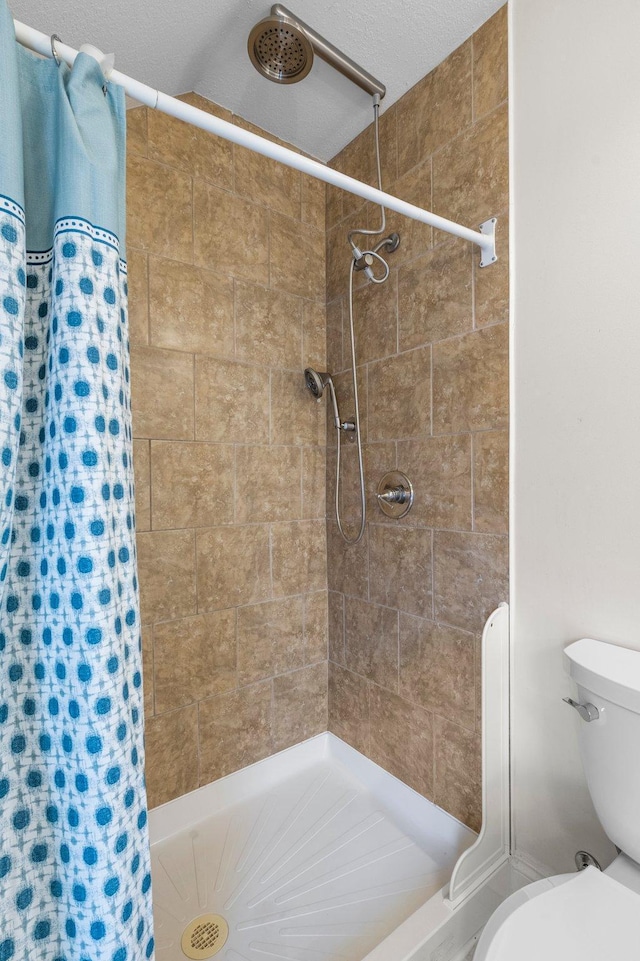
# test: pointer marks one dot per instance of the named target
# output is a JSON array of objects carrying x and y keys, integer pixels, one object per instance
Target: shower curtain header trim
[{"x": 156, "y": 100}]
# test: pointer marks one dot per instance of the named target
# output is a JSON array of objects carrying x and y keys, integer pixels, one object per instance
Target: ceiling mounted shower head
[
  {"x": 280, "y": 50},
  {"x": 282, "y": 47}
]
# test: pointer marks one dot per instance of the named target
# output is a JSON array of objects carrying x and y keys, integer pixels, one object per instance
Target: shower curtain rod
[{"x": 484, "y": 238}]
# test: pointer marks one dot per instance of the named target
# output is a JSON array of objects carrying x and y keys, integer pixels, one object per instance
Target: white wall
[{"x": 575, "y": 128}]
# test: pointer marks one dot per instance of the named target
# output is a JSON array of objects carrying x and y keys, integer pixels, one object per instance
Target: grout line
[
  {"x": 149, "y": 454},
  {"x": 473, "y": 490},
  {"x": 194, "y": 372},
  {"x": 473, "y": 79},
  {"x": 431, "y": 391}
]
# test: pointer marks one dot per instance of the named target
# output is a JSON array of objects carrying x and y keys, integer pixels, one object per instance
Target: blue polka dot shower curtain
[{"x": 74, "y": 858}]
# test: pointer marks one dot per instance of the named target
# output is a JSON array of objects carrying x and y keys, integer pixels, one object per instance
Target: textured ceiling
[{"x": 201, "y": 45}]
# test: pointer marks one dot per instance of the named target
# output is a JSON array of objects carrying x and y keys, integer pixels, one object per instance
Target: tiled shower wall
[
  {"x": 226, "y": 258},
  {"x": 407, "y": 604}
]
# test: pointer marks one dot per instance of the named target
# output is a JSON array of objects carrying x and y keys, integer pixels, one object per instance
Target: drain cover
[{"x": 204, "y": 936}]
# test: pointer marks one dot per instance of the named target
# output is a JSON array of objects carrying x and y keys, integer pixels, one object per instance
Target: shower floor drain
[{"x": 204, "y": 936}]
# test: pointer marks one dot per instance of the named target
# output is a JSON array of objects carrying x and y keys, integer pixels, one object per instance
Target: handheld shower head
[{"x": 316, "y": 382}]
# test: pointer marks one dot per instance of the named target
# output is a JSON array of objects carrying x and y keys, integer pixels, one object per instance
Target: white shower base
[{"x": 315, "y": 854}]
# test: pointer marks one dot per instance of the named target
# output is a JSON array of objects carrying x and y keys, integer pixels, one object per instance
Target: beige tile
[
  {"x": 162, "y": 393},
  {"x": 470, "y": 577},
  {"x": 400, "y": 568},
  {"x": 346, "y": 404},
  {"x": 268, "y": 485},
  {"x": 166, "y": 567},
  {"x": 490, "y": 67},
  {"x": 357, "y": 160},
  {"x": 137, "y": 131},
  {"x": 202, "y": 103},
  {"x": 194, "y": 658},
  {"x": 335, "y": 361},
  {"x": 230, "y": 234},
  {"x": 379, "y": 459},
  {"x": 142, "y": 475},
  {"x": 270, "y": 639},
  {"x": 478, "y": 663},
  {"x": 296, "y": 418},
  {"x": 350, "y": 501},
  {"x": 235, "y": 730},
  {"x": 471, "y": 381},
  {"x": 299, "y": 557},
  {"x": 268, "y": 327},
  {"x": 232, "y": 402},
  {"x": 316, "y": 627},
  {"x": 458, "y": 778},
  {"x": 338, "y": 255},
  {"x": 434, "y": 111},
  {"x": 267, "y": 182},
  {"x": 399, "y": 396},
  {"x": 313, "y": 482},
  {"x": 347, "y": 564},
  {"x": 261, "y": 132},
  {"x": 233, "y": 566},
  {"x": 334, "y": 205},
  {"x": 191, "y": 149},
  {"x": 415, "y": 237},
  {"x": 491, "y": 482},
  {"x": 388, "y": 146},
  {"x": 314, "y": 336},
  {"x": 313, "y": 202},
  {"x": 297, "y": 257},
  {"x": 171, "y": 748},
  {"x": 402, "y": 739},
  {"x": 191, "y": 309},
  {"x": 159, "y": 210},
  {"x": 471, "y": 175},
  {"x": 138, "y": 286},
  {"x": 192, "y": 484},
  {"x": 349, "y": 708},
  {"x": 147, "y": 670},
  {"x": 336, "y": 627},
  {"x": 435, "y": 296},
  {"x": 371, "y": 641},
  {"x": 375, "y": 312},
  {"x": 437, "y": 669},
  {"x": 440, "y": 470},
  {"x": 491, "y": 294},
  {"x": 299, "y": 706}
]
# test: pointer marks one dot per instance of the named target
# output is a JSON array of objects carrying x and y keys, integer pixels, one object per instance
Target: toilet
[{"x": 591, "y": 915}]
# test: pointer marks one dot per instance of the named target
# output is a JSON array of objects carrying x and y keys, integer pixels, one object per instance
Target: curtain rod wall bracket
[{"x": 488, "y": 254}]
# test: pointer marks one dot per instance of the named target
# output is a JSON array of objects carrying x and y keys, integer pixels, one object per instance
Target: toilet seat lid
[{"x": 589, "y": 918}]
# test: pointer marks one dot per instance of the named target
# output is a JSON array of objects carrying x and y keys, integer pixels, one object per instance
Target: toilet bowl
[{"x": 591, "y": 915}]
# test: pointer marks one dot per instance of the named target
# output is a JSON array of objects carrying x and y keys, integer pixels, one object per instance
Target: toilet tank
[{"x": 608, "y": 676}]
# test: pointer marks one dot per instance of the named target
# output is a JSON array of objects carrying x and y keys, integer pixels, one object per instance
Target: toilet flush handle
[{"x": 588, "y": 712}]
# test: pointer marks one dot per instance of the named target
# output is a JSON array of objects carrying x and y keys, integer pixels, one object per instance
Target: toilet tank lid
[{"x": 611, "y": 671}]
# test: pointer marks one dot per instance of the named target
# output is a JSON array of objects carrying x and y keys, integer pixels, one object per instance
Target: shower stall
[{"x": 334, "y": 847}]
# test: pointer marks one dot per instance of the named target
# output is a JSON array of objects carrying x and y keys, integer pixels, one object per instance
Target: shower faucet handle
[
  {"x": 395, "y": 494},
  {"x": 588, "y": 712}
]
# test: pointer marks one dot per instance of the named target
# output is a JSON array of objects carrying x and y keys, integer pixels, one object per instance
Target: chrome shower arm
[{"x": 331, "y": 55}]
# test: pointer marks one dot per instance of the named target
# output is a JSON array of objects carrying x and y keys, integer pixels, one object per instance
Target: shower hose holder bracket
[{"x": 488, "y": 255}]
